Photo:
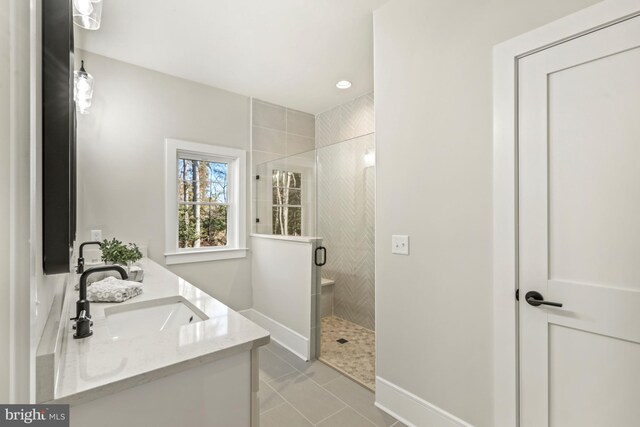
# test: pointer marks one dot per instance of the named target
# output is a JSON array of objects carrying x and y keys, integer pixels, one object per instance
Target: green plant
[{"x": 118, "y": 253}]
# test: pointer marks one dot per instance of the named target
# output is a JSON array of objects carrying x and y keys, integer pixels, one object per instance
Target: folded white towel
[
  {"x": 136, "y": 274},
  {"x": 111, "y": 289}
]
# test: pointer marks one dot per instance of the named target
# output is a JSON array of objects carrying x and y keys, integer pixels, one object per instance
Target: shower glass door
[{"x": 345, "y": 218}]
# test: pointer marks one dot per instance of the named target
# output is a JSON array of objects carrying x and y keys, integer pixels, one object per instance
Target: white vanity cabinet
[{"x": 173, "y": 373}]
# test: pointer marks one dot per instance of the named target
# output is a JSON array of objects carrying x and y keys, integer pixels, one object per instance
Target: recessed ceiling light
[{"x": 343, "y": 84}]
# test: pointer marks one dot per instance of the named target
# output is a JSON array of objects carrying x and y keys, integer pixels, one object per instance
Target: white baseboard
[
  {"x": 412, "y": 410},
  {"x": 286, "y": 337}
]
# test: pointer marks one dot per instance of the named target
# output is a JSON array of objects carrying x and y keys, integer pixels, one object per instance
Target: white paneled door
[{"x": 579, "y": 231}]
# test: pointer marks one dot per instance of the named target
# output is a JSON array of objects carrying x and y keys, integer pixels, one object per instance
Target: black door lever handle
[{"x": 536, "y": 299}]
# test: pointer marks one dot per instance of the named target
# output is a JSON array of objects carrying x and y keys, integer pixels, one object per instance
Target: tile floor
[
  {"x": 355, "y": 358},
  {"x": 294, "y": 393}
]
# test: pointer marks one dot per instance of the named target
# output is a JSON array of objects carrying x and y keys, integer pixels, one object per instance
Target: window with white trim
[{"x": 205, "y": 202}]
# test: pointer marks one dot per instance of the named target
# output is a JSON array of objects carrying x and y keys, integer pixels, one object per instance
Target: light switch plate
[{"x": 400, "y": 245}]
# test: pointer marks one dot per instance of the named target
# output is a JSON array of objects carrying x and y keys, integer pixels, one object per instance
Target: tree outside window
[
  {"x": 287, "y": 203},
  {"x": 203, "y": 203}
]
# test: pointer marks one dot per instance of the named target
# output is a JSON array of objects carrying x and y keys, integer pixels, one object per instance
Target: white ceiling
[{"x": 288, "y": 52}]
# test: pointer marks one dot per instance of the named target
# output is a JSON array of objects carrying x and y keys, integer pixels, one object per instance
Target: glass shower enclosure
[{"x": 329, "y": 192}]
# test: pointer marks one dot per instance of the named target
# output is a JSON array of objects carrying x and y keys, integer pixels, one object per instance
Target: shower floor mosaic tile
[{"x": 355, "y": 357}]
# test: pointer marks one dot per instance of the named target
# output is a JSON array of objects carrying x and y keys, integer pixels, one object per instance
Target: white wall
[
  {"x": 4, "y": 207},
  {"x": 433, "y": 89},
  {"x": 121, "y": 160}
]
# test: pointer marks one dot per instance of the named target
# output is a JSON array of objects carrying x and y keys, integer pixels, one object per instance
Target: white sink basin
[{"x": 132, "y": 320}]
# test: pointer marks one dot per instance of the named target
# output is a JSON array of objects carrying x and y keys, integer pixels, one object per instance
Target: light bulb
[
  {"x": 343, "y": 84},
  {"x": 87, "y": 13},
  {"x": 83, "y": 105},
  {"x": 85, "y": 7},
  {"x": 83, "y": 87}
]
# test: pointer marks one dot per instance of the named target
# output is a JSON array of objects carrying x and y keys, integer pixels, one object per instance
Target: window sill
[{"x": 204, "y": 255}]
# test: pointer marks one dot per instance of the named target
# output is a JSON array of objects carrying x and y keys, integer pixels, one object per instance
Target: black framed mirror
[{"x": 58, "y": 136}]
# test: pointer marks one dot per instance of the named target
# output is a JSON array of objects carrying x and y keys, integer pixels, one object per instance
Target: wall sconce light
[
  {"x": 82, "y": 89},
  {"x": 87, "y": 13}
]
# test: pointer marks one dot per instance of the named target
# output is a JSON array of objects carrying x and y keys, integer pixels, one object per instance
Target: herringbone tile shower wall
[
  {"x": 346, "y": 206},
  {"x": 346, "y": 121}
]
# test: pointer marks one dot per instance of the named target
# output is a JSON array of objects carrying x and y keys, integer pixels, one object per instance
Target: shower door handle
[{"x": 324, "y": 256}]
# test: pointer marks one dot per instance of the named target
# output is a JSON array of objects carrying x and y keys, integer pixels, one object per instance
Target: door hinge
[{"x": 258, "y": 177}]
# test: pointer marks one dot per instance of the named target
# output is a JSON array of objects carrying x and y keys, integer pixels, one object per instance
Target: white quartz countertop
[{"x": 100, "y": 365}]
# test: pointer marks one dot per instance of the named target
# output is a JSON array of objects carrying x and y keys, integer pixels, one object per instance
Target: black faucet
[
  {"x": 80, "y": 267},
  {"x": 83, "y": 306}
]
